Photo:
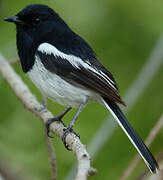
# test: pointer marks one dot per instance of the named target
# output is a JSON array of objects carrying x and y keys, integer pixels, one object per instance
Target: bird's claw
[
  {"x": 65, "y": 133},
  {"x": 48, "y": 123}
]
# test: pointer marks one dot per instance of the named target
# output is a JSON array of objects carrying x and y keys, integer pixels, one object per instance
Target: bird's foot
[
  {"x": 58, "y": 118},
  {"x": 49, "y": 122},
  {"x": 65, "y": 133}
]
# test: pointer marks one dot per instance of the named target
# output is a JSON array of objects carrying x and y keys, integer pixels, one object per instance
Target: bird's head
[{"x": 37, "y": 21}]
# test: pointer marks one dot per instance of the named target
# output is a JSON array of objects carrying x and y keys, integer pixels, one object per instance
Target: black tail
[{"x": 132, "y": 135}]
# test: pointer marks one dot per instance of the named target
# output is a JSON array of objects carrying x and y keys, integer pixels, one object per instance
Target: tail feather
[{"x": 132, "y": 135}]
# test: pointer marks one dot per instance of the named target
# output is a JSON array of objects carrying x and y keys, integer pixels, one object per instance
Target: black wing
[{"x": 87, "y": 74}]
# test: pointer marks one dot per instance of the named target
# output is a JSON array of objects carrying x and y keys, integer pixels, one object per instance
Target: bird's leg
[
  {"x": 44, "y": 101},
  {"x": 58, "y": 118},
  {"x": 43, "y": 106},
  {"x": 69, "y": 128}
]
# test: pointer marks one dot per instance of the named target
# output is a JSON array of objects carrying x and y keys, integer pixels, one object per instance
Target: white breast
[{"x": 56, "y": 88}]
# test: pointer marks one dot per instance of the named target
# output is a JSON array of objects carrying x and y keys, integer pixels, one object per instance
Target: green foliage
[{"x": 123, "y": 34}]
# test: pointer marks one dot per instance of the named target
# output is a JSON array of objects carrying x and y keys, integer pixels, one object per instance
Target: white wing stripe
[
  {"x": 75, "y": 61},
  {"x": 107, "y": 77}
]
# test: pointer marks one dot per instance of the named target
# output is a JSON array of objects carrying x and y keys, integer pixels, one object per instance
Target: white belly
[{"x": 58, "y": 89}]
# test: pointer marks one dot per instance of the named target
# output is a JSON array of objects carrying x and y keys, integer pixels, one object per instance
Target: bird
[{"x": 64, "y": 67}]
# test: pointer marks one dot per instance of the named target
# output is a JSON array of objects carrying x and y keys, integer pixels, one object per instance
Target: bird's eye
[{"x": 36, "y": 21}]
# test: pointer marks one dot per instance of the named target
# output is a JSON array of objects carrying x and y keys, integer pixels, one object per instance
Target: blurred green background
[{"x": 123, "y": 34}]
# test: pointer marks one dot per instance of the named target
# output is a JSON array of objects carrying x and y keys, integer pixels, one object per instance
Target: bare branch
[
  {"x": 152, "y": 135},
  {"x": 30, "y": 103},
  {"x": 52, "y": 156},
  {"x": 84, "y": 170}
]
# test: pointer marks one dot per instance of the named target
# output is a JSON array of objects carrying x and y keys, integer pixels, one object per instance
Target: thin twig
[
  {"x": 30, "y": 103},
  {"x": 52, "y": 156},
  {"x": 152, "y": 135}
]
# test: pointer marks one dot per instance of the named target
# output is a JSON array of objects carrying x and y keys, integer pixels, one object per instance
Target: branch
[
  {"x": 52, "y": 156},
  {"x": 30, "y": 103},
  {"x": 152, "y": 135}
]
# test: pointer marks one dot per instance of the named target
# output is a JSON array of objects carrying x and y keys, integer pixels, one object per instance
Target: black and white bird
[{"x": 65, "y": 69}]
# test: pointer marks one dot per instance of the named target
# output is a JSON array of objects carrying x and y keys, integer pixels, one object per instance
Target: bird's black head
[
  {"x": 37, "y": 24},
  {"x": 34, "y": 17}
]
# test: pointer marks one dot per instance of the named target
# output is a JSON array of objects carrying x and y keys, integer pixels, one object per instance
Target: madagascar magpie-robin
[{"x": 64, "y": 68}]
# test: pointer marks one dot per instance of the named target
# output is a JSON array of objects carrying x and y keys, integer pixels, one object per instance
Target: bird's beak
[{"x": 14, "y": 19}]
